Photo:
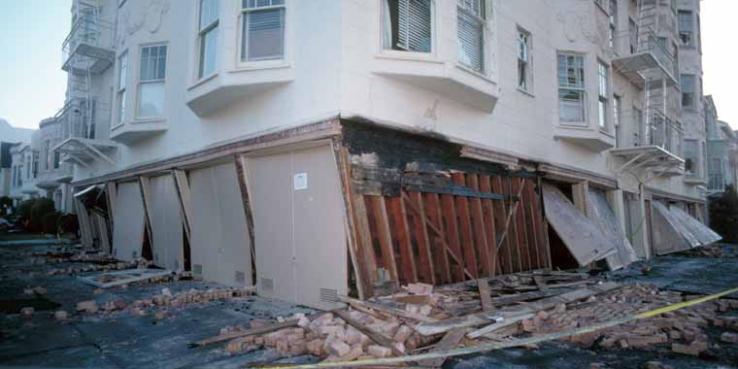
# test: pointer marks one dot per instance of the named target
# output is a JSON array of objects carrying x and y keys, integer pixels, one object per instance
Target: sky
[
  {"x": 32, "y": 83},
  {"x": 720, "y": 56}
]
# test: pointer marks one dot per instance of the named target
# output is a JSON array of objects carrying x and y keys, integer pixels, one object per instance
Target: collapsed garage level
[{"x": 340, "y": 207}]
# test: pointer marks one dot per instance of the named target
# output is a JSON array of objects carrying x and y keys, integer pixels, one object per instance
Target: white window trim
[
  {"x": 607, "y": 96},
  {"x": 119, "y": 114},
  {"x": 201, "y": 32},
  {"x": 241, "y": 64},
  {"x": 530, "y": 86},
  {"x": 140, "y": 118},
  {"x": 487, "y": 56},
  {"x": 584, "y": 123}
]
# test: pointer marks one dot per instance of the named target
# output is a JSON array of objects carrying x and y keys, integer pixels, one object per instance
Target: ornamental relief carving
[{"x": 148, "y": 17}]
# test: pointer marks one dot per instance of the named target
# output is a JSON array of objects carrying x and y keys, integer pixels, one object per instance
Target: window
[
  {"x": 686, "y": 28},
  {"x": 208, "y": 37},
  {"x": 57, "y": 159},
  {"x": 407, "y": 25},
  {"x": 691, "y": 157},
  {"x": 471, "y": 23},
  {"x": 262, "y": 33},
  {"x": 571, "y": 88},
  {"x": 47, "y": 158},
  {"x": 603, "y": 91},
  {"x": 632, "y": 35},
  {"x": 122, "y": 77},
  {"x": 151, "y": 81},
  {"x": 688, "y": 90},
  {"x": 35, "y": 163},
  {"x": 613, "y": 20},
  {"x": 525, "y": 72}
]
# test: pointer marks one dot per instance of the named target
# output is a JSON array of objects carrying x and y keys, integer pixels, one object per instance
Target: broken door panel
[
  {"x": 220, "y": 247},
  {"x": 701, "y": 232},
  {"x": 129, "y": 216},
  {"x": 667, "y": 235},
  {"x": 299, "y": 226},
  {"x": 582, "y": 237},
  {"x": 166, "y": 224},
  {"x": 600, "y": 212}
]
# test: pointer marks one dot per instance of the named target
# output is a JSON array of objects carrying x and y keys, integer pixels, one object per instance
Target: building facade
[{"x": 216, "y": 130}]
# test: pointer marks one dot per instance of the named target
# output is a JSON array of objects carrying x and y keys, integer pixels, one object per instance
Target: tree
[{"x": 724, "y": 214}]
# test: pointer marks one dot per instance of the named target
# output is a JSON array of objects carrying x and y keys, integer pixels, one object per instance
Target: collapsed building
[{"x": 346, "y": 148}]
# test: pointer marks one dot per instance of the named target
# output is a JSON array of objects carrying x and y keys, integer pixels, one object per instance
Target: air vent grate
[{"x": 328, "y": 295}]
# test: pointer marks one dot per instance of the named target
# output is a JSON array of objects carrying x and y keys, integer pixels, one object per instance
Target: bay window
[
  {"x": 571, "y": 88},
  {"x": 471, "y": 23},
  {"x": 151, "y": 81},
  {"x": 407, "y": 25},
  {"x": 262, "y": 30},
  {"x": 603, "y": 91},
  {"x": 208, "y": 37},
  {"x": 121, "y": 94}
]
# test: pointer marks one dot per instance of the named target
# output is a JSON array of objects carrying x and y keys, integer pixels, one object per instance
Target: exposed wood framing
[{"x": 145, "y": 186}]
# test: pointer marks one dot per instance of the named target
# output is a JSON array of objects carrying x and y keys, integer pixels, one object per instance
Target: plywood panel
[
  {"x": 166, "y": 224},
  {"x": 584, "y": 239},
  {"x": 128, "y": 231},
  {"x": 702, "y": 233},
  {"x": 220, "y": 246},
  {"x": 665, "y": 235},
  {"x": 600, "y": 212}
]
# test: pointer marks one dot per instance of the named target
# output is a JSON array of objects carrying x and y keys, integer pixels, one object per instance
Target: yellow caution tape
[{"x": 502, "y": 345}]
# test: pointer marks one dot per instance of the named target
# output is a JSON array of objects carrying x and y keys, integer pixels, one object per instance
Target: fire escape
[
  {"x": 86, "y": 53},
  {"x": 652, "y": 144}
]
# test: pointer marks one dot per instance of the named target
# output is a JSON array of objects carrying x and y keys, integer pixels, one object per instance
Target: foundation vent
[
  {"x": 197, "y": 270},
  {"x": 328, "y": 295},
  {"x": 240, "y": 277},
  {"x": 267, "y": 284}
]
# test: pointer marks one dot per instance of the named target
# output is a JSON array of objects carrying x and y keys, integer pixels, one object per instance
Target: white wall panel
[
  {"x": 128, "y": 231},
  {"x": 166, "y": 224}
]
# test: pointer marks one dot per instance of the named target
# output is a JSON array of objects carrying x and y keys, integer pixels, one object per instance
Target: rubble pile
[{"x": 119, "y": 265}]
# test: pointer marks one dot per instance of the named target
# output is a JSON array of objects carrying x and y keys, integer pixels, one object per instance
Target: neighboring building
[
  {"x": 722, "y": 154},
  {"x": 24, "y": 172},
  {"x": 9, "y": 137},
  {"x": 53, "y": 175},
  {"x": 228, "y": 126}
]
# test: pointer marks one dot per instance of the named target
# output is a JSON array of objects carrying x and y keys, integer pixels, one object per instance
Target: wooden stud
[
  {"x": 452, "y": 232},
  {"x": 513, "y": 229},
  {"x": 384, "y": 235},
  {"x": 489, "y": 222},
  {"x": 544, "y": 223},
  {"x": 433, "y": 211},
  {"x": 467, "y": 240},
  {"x": 425, "y": 257},
  {"x": 503, "y": 244},
  {"x": 480, "y": 230},
  {"x": 401, "y": 231},
  {"x": 532, "y": 231}
]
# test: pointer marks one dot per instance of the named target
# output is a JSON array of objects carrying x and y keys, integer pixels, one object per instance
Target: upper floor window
[
  {"x": 571, "y": 88},
  {"x": 632, "y": 35},
  {"x": 691, "y": 157},
  {"x": 407, "y": 25},
  {"x": 686, "y": 28},
  {"x": 208, "y": 37},
  {"x": 121, "y": 94},
  {"x": 613, "y": 21},
  {"x": 262, "y": 34},
  {"x": 603, "y": 91},
  {"x": 151, "y": 81},
  {"x": 688, "y": 90},
  {"x": 471, "y": 24},
  {"x": 525, "y": 72}
]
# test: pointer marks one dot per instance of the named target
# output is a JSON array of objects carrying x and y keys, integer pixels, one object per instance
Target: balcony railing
[
  {"x": 77, "y": 118},
  {"x": 89, "y": 45},
  {"x": 643, "y": 51},
  {"x": 639, "y": 129}
]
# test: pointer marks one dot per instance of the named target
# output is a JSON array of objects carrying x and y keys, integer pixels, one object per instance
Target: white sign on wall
[{"x": 300, "y": 181}]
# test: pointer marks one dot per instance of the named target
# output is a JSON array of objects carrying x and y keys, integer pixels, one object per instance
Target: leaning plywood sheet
[
  {"x": 600, "y": 212},
  {"x": 701, "y": 232},
  {"x": 166, "y": 224},
  {"x": 128, "y": 231},
  {"x": 584, "y": 239},
  {"x": 667, "y": 233},
  {"x": 118, "y": 278},
  {"x": 220, "y": 244}
]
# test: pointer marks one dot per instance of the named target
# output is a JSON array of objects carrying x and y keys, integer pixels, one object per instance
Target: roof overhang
[{"x": 84, "y": 151}]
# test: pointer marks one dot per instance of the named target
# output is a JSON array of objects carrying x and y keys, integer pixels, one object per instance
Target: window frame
[
  {"x": 242, "y": 58},
  {"x": 524, "y": 37},
  {"x": 390, "y": 50},
  {"x": 487, "y": 10},
  {"x": 690, "y": 32},
  {"x": 140, "y": 82},
  {"x": 580, "y": 89},
  {"x": 121, "y": 89},
  {"x": 692, "y": 94},
  {"x": 603, "y": 95},
  {"x": 202, "y": 33}
]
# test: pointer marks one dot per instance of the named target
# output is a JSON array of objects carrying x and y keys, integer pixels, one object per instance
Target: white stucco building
[{"x": 219, "y": 129}]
